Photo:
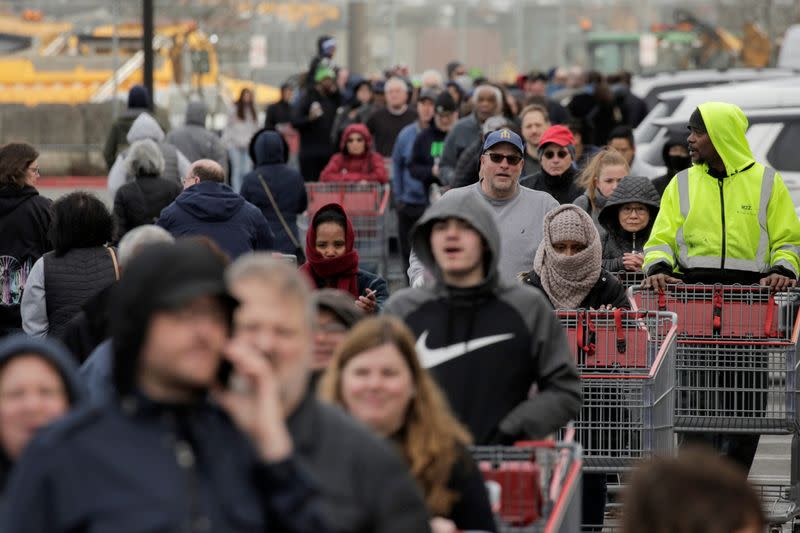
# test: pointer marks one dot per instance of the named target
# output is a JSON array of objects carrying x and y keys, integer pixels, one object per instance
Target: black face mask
[{"x": 679, "y": 162}]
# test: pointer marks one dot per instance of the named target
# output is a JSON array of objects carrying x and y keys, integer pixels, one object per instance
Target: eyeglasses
[
  {"x": 35, "y": 170},
  {"x": 628, "y": 209},
  {"x": 498, "y": 158},
  {"x": 355, "y": 140},
  {"x": 549, "y": 154}
]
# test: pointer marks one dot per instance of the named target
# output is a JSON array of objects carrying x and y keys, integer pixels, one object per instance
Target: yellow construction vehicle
[{"x": 59, "y": 65}]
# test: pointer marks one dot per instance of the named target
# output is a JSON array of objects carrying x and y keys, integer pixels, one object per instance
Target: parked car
[
  {"x": 761, "y": 95},
  {"x": 649, "y": 87},
  {"x": 774, "y": 138}
]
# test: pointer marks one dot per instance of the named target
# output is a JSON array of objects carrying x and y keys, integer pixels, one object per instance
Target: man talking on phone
[
  {"x": 365, "y": 486},
  {"x": 160, "y": 455}
]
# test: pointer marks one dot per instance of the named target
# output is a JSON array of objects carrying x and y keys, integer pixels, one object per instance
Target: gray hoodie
[
  {"x": 146, "y": 127},
  {"x": 487, "y": 345},
  {"x": 194, "y": 140},
  {"x": 519, "y": 220}
]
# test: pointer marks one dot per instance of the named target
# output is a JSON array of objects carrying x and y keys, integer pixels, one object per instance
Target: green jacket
[{"x": 743, "y": 222}]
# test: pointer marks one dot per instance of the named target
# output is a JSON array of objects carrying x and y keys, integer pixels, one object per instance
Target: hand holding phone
[
  {"x": 368, "y": 302},
  {"x": 251, "y": 396}
]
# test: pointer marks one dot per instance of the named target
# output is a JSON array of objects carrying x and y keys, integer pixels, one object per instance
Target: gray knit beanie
[
  {"x": 567, "y": 279},
  {"x": 568, "y": 225}
]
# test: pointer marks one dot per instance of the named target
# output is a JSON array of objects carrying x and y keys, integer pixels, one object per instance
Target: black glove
[{"x": 501, "y": 438}]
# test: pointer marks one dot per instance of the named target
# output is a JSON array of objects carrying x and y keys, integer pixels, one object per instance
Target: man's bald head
[{"x": 204, "y": 170}]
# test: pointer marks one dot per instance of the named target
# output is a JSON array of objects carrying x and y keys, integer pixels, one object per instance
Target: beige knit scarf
[{"x": 568, "y": 279}]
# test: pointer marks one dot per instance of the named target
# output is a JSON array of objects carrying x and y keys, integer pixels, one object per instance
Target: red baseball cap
[{"x": 558, "y": 134}]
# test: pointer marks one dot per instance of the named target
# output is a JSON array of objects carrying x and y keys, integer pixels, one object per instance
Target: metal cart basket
[
  {"x": 626, "y": 360},
  {"x": 365, "y": 205},
  {"x": 533, "y": 486}
]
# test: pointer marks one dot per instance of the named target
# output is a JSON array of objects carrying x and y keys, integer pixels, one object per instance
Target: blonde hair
[
  {"x": 432, "y": 439},
  {"x": 606, "y": 157}
]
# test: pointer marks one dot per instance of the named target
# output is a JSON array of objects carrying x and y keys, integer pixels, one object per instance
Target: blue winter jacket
[
  {"x": 285, "y": 183},
  {"x": 133, "y": 465},
  {"x": 95, "y": 372},
  {"x": 405, "y": 188},
  {"x": 214, "y": 210}
]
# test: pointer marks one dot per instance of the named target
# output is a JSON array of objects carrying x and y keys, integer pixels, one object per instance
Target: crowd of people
[{"x": 185, "y": 361}]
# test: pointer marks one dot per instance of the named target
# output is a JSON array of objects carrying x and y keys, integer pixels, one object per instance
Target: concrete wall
[{"x": 69, "y": 138}]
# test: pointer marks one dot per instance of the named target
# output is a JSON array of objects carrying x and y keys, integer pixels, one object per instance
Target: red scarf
[{"x": 340, "y": 272}]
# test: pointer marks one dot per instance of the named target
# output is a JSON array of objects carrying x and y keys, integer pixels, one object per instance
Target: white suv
[{"x": 650, "y": 137}]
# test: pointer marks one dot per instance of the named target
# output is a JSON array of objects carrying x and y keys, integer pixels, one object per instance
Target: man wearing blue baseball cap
[{"x": 518, "y": 211}]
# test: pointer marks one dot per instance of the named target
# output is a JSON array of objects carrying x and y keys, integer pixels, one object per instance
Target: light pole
[{"x": 147, "y": 47}]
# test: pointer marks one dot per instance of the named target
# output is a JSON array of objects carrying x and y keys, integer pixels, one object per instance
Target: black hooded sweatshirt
[
  {"x": 24, "y": 221},
  {"x": 617, "y": 241},
  {"x": 563, "y": 188},
  {"x": 131, "y": 463},
  {"x": 487, "y": 345},
  {"x": 270, "y": 154},
  {"x": 674, "y": 164}
]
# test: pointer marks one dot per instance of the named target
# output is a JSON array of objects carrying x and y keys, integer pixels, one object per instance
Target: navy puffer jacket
[{"x": 286, "y": 184}]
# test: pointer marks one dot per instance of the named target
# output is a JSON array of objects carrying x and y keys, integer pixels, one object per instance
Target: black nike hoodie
[{"x": 487, "y": 345}]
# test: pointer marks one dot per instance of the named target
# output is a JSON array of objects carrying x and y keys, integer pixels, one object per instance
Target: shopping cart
[
  {"x": 626, "y": 361},
  {"x": 628, "y": 278},
  {"x": 736, "y": 359},
  {"x": 365, "y": 205},
  {"x": 724, "y": 311},
  {"x": 737, "y": 369},
  {"x": 533, "y": 486}
]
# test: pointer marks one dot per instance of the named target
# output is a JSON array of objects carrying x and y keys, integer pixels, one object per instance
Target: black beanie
[
  {"x": 162, "y": 276},
  {"x": 138, "y": 97},
  {"x": 696, "y": 121}
]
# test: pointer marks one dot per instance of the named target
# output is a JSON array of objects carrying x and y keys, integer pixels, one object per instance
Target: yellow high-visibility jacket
[{"x": 745, "y": 221}]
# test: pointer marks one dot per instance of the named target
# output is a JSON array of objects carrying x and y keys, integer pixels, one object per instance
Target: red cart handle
[
  {"x": 621, "y": 343},
  {"x": 717, "y": 324},
  {"x": 586, "y": 341},
  {"x": 662, "y": 300},
  {"x": 769, "y": 329}
]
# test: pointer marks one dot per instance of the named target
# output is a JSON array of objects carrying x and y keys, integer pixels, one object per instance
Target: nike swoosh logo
[{"x": 430, "y": 357}]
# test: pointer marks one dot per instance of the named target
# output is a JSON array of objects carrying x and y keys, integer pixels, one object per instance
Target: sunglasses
[
  {"x": 549, "y": 154},
  {"x": 355, "y": 140},
  {"x": 498, "y": 158}
]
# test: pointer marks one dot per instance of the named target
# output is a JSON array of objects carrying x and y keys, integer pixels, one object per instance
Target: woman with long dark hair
[
  {"x": 24, "y": 223},
  {"x": 376, "y": 376},
  {"x": 242, "y": 125},
  {"x": 80, "y": 265},
  {"x": 332, "y": 260}
]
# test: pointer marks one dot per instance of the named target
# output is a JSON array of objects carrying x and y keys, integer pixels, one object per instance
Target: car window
[
  {"x": 647, "y": 130},
  {"x": 784, "y": 154}
]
